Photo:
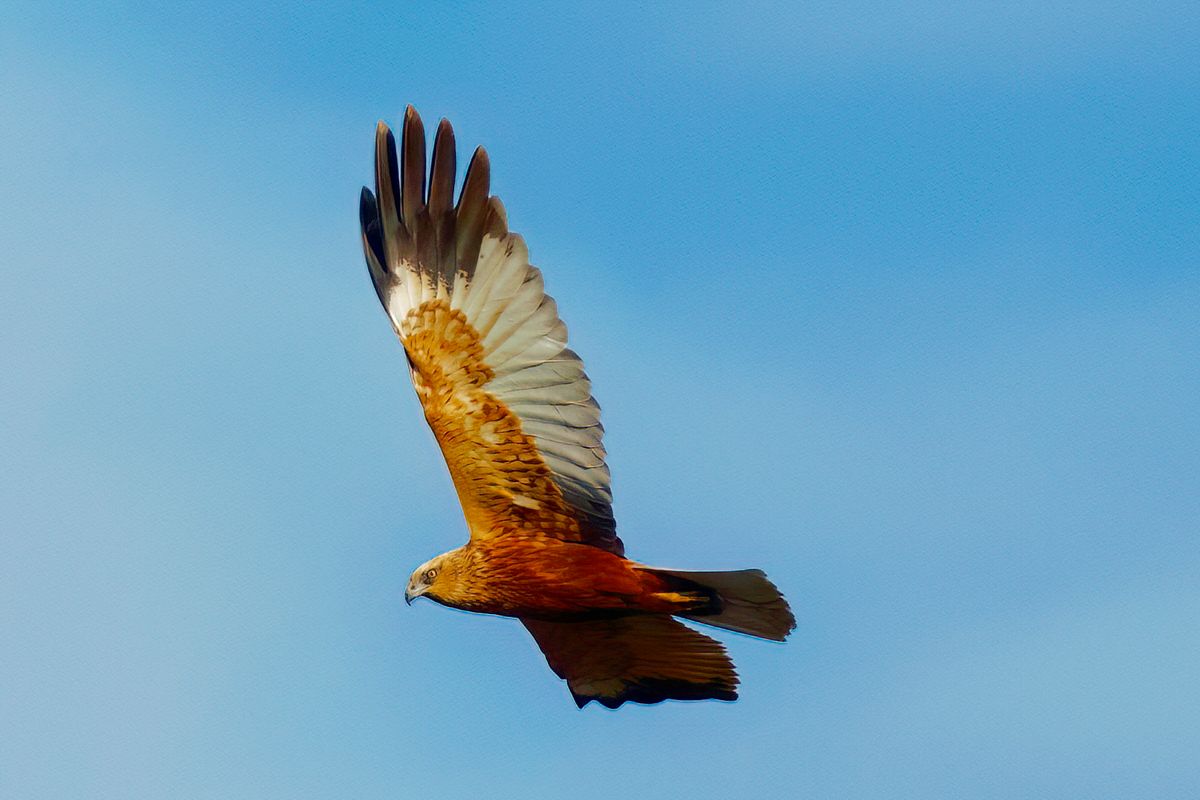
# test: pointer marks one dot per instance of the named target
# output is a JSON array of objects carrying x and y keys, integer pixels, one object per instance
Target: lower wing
[{"x": 640, "y": 659}]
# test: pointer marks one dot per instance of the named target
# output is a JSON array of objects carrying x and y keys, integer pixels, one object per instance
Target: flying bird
[{"x": 513, "y": 413}]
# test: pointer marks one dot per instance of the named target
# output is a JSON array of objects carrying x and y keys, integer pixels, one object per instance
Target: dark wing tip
[
  {"x": 387, "y": 175},
  {"x": 385, "y": 144},
  {"x": 480, "y": 161},
  {"x": 413, "y": 124},
  {"x": 471, "y": 212},
  {"x": 368, "y": 220},
  {"x": 649, "y": 691},
  {"x": 477, "y": 181},
  {"x": 412, "y": 172},
  {"x": 368, "y": 211},
  {"x": 441, "y": 173},
  {"x": 372, "y": 236}
]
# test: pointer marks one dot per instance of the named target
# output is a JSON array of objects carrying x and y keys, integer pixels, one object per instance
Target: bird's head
[{"x": 434, "y": 579}]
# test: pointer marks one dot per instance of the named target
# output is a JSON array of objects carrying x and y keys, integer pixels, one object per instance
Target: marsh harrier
[{"x": 512, "y": 410}]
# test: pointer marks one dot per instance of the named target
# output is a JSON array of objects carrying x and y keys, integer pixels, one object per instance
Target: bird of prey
[{"x": 512, "y": 410}]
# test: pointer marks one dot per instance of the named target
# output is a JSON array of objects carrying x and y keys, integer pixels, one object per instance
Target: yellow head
[{"x": 436, "y": 579}]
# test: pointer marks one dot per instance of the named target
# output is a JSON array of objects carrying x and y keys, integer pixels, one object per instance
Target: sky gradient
[{"x": 902, "y": 307}]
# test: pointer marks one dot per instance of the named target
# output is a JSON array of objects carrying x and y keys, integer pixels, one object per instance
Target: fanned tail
[{"x": 745, "y": 601}]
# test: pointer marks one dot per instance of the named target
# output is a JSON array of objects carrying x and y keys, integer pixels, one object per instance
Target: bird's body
[
  {"x": 538, "y": 577},
  {"x": 512, "y": 411}
]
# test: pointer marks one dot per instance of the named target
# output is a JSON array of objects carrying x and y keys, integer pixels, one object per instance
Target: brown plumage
[{"x": 512, "y": 410}]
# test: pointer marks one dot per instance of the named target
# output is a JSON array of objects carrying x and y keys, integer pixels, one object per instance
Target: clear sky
[{"x": 900, "y": 306}]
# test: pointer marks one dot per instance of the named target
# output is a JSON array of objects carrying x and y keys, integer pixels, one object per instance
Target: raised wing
[
  {"x": 509, "y": 404},
  {"x": 640, "y": 659}
]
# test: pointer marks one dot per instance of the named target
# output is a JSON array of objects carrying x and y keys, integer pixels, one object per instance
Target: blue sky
[{"x": 900, "y": 306}]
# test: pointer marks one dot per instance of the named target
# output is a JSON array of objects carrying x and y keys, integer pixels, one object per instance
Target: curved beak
[{"x": 414, "y": 591}]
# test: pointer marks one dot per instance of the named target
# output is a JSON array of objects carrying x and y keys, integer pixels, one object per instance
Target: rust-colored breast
[{"x": 502, "y": 481}]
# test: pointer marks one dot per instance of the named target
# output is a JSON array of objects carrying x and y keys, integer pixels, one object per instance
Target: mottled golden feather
[{"x": 502, "y": 480}]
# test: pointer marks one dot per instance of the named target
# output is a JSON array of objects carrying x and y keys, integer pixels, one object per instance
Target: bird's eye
[{"x": 430, "y": 574}]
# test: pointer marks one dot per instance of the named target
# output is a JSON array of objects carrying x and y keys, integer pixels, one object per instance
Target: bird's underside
[{"x": 512, "y": 410}]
